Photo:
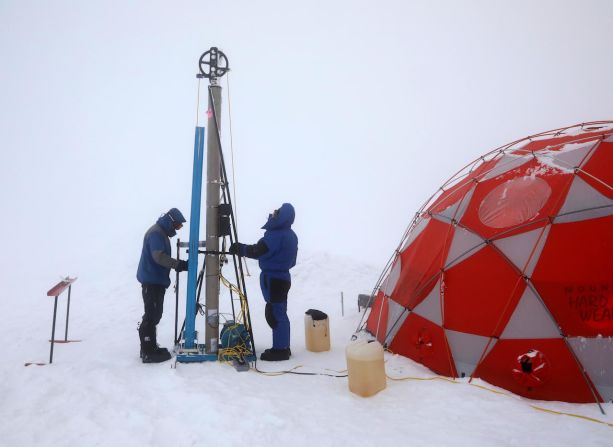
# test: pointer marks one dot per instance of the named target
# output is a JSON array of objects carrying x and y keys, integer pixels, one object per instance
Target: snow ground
[{"x": 97, "y": 392}]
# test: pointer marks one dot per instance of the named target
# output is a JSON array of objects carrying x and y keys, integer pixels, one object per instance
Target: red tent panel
[
  {"x": 421, "y": 262},
  {"x": 598, "y": 171},
  {"x": 481, "y": 293},
  {"x": 424, "y": 342},
  {"x": 557, "y": 376},
  {"x": 579, "y": 293},
  {"x": 377, "y": 319}
]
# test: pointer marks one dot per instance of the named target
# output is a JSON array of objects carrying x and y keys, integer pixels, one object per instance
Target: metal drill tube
[{"x": 213, "y": 182}]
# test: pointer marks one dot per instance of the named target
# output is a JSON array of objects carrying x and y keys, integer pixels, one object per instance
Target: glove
[
  {"x": 182, "y": 266},
  {"x": 235, "y": 248}
]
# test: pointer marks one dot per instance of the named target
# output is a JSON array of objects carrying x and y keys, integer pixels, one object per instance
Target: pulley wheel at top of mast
[{"x": 216, "y": 61}]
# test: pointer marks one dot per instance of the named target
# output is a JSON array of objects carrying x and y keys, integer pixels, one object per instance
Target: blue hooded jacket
[
  {"x": 155, "y": 259},
  {"x": 282, "y": 244}
]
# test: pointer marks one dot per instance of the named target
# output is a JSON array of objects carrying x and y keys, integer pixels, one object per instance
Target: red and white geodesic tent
[{"x": 506, "y": 274}]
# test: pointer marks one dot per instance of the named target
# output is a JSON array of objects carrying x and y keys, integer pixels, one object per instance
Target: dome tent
[{"x": 506, "y": 273}]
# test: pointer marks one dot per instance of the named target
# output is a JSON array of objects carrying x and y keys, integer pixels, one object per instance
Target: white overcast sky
[{"x": 354, "y": 111}]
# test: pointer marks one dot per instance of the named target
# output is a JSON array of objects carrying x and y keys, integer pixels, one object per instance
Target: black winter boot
[
  {"x": 270, "y": 349},
  {"x": 275, "y": 355},
  {"x": 150, "y": 352},
  {"x": 157, "y": 356}
]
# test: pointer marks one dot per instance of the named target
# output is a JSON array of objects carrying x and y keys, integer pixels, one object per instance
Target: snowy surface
[{"x": 97, "y": 392}]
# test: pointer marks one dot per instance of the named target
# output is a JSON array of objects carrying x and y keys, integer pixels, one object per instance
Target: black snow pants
[{"x": 153, "y": 299}]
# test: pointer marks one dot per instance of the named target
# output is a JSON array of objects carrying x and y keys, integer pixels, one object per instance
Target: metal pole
[
  {"x": 194, "y": 234},
  {"x": 213, "y": 182},
  {"x": 177, "y": 292},
  {"x": 53, "y": 330},
  {"x": 67, "y": 314},
  {"x": 242, "y": 284}
]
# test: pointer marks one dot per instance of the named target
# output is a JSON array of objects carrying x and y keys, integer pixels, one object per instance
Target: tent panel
[
  {"x": 558, "y": 140},
  {"x": 424, "y": 342},
  {"x": 596, "y": 356},
  {"x": 420, "y": 226},
  {"x": 507, "y": 163},
  {"x": 597, "y": 170},
  {"x": 464, "y": 244},
  {"x": 430, "y": 307},
  {"x": 455, "y": 211},
  {"x": 568, "y": 156},
  {"x": 552, "y": 375},
  {"x": 530, "y": 320},
  {"x": 574, "y": 276},
  {"x": 392, "y": 278},
  {"x": 582, "y": 197},
  {"x": 396, "y": 316},
  {"x": 523, "y": 249},
  {"x": 481, "y": 294},
  {"x": 467, "y": 350},
  {"x": 377, "y": 319},
  {"x": 421, "y": 263}
]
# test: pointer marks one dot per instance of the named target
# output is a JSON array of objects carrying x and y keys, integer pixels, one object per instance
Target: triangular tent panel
[
  {"x": 524, "y": 249},
  {"x": 464, "y": 244},
  {"x": 396, "y": 315},
  {"x": 455, "y": 211},
  {"x": 581, "y": 193},
  {"x": 392, "y": 279},
  {"x": 467, "y": 350},
  {"x": 507, "y": 163},
  {"x": 596, "y": 356},
  {"x": 530, "y": 319},
  {"x": 424, "y": 342},
  {"x": 430, "y": 308}
]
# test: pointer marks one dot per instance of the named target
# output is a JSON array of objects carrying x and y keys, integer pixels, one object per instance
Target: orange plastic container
[
  {"x": 316, "y": 331},
  {"x": 365, "y": 367}
]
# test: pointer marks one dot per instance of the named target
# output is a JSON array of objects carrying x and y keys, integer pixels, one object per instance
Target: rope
[
  {"x": 232, "y": 150},
  {"x": 242, "y": 298},
  {"x": 232, "y": 161}
]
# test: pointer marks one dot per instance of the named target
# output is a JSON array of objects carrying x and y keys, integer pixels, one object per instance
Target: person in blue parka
[
  {"x": 276, "y": 253},
  {"x": 154, "y": 275}
]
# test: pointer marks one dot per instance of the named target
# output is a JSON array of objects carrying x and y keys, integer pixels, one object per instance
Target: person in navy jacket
[
  {"x": 154, "y": 275},
  {"x": 276, "y": 253}
]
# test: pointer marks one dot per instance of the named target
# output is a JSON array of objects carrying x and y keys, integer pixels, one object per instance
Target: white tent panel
[
  {"x": 583, "y": 202},
  {"x": 415, "y": 232},
  {"x": 430, "y": 307},
  {"x": 524, "y": 249},
  {"x": 507, "y": 163},
  {"x": 396, "y": 314},
  {"x": 465, "y": 243},
  {"x": 530, "y": 320},
  {"x": 467, "y": 350},
  {"x": 457, "y": 210},
  {"x": 596, "y": 356},
  {"x": 571, "y": 155},
  {"x": 392, "y": 279}
]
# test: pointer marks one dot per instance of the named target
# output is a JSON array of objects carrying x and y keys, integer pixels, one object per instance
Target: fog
[{"x": 354, "y": 111}]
